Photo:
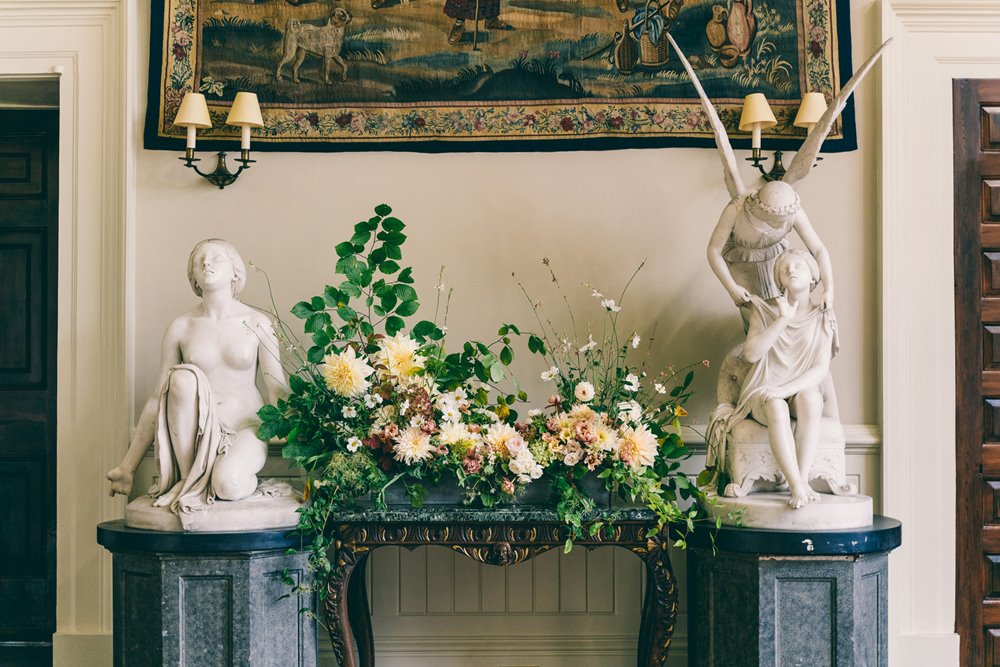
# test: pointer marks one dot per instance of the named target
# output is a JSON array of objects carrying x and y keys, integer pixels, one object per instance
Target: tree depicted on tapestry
[{"x": 336, "y": 74}]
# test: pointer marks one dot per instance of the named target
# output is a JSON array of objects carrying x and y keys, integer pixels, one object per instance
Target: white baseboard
[
  {"x": 925, "y": 650},
  {"x": 72, "y": 650}
]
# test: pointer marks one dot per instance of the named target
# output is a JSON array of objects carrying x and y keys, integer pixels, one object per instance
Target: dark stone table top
[
  {"x": 115, "y": 536},
  {"x": 515, "y": 514},
  {"x": 884, "y": 534}
]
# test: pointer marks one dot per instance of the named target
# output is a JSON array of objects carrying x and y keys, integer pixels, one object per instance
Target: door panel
[
  {"x": 977, "y": 410},
  {"x": 28, "y": 263}
]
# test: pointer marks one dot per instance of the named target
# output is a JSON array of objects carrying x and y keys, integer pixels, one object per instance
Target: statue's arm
[
  {"x": 761, "y": 335},
  {"x": 716, "y": 242},
  {"x": 269, "y": 361},
  {"x": 145, "y": 431},
  {"x": 812, "y": 378},
  {"x": 815, "y": 245}
]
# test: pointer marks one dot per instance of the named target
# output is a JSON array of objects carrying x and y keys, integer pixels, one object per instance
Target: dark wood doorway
[
  {"x": 29, "y": 177},
  {"x": 977, "y": 406}
]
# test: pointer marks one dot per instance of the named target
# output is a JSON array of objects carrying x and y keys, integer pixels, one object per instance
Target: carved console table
[{"x": 496, "y": 537}]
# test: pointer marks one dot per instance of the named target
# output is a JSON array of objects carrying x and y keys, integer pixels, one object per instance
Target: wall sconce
[
  {"x": 193, "y": 115},
  {"x": 757, "y": 115}
]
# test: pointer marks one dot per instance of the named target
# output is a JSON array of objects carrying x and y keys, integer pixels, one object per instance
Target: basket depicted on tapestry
[
  {"x": 650, "y": 27},
  {"x": 491, "y": 74}
]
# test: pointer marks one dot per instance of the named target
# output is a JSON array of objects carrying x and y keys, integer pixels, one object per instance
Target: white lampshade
[
  {"x": 193, "y": 112},
  {"x": 810, "y": 111},
  {"x": 245, "y": 111},
  {"x": 756, "y": 110}
]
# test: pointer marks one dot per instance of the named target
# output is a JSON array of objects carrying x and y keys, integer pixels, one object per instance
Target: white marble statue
[
  {"x": 789, "y": 347},
  {"x": 779, "y": 378},
  {"x": 202, "y": 416}
]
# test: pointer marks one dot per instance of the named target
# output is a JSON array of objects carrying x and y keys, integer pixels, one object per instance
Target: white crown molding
[{"x": 938, "y": 16}]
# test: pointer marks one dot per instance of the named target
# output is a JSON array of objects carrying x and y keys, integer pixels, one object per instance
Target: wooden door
[{"x": 28, "y": 262}]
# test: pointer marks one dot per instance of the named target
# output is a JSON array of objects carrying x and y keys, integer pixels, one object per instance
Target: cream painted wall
[{"x": 596, "y": 215}]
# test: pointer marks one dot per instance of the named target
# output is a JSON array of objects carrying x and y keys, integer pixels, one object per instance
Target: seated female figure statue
[
  {"x": 203, "y": 413},
  {"x": 789, "y": 346}
]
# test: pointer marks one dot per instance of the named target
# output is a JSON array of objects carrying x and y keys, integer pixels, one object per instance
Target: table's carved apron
[{"x": 495, "y": 543}]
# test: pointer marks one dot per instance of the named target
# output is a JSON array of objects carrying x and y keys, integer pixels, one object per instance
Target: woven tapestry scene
[{"x": 491, "y": 74}]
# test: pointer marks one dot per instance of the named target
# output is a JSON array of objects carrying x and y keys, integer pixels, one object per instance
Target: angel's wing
[
  {"x": 803, "y": 161},
  {"x": 729, "y": 164}
]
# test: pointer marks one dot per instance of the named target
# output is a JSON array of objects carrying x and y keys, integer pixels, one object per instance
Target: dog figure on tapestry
[{"x": 325, "y": 41}]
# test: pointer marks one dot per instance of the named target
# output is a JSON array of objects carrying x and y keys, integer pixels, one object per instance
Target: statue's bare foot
[
  {"x": 800, "y": 498},
  {"x": 121, "y": 481},
  {"x": 168, "y": 498}
]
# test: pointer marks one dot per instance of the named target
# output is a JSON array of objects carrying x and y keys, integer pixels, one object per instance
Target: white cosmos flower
[
  {"x": 609, "y": 304},
  {"x": 635, "y": 341},
  {"x": 629, "y": 411},
  {"x": 584, "y": 392},
  {"x": 371, "y": 400},
  {"x": 631, "y": 383},
  {"x": 354, "y": 444},
  {"x": 551, "y": 374},
  {"x": 605, "y": 438},
  {"x": 399, "y": 356},
  {"x": 534, "y": 412},
  {"x": 412, "y": 446},
  {"x": 637, "y": 447},
  {"x": 345, "y": 373},
  {"x": 591, "y": 344},
  {"x": 350, "y": 412},
  {"x": 660, "y": 389}
]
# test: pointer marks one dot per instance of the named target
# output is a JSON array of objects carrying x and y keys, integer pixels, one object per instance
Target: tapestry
[{"x": 448, "y": 75}]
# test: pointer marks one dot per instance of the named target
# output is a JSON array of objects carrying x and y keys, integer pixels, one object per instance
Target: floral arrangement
[{"x": 371, "y": 405}]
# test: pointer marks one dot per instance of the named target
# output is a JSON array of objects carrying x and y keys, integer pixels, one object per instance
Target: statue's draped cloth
[
  {"x": 751, "y": 250},
  {"x": 211, "y": 442},
  {"x": 807, "y": 342}
]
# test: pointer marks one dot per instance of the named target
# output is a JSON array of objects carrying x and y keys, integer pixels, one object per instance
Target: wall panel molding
[{"x": 83, "y": 42}]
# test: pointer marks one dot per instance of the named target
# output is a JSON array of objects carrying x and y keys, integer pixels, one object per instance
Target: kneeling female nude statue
[{"x": 202, "y": 416}]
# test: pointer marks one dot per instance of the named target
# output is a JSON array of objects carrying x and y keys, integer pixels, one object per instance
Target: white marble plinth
[
  {"x": 273, "y": 505},
  {"x": 771, "y": 510}
]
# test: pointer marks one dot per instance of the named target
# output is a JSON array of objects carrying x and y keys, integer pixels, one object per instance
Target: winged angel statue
[{"x": 781, "y": 372}]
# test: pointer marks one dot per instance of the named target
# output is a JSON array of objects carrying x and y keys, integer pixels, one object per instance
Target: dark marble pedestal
[
  {"x": 774, "y": 598},
  {"x": 208, "y": 598}
]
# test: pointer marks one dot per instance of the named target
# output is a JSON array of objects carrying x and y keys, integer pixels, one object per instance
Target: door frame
[
  {"x": 85, "y": 44},
  {"x": 935, "y": 41}
]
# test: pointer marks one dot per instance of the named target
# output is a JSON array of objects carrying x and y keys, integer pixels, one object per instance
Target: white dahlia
[
  {"x": 637, "y": 447},
  {"x": 504, "y": 441},
  {"x": 412, "y": 446},
  {"x": 399, "y": 356},
  {"x": 345, "y": 373}
]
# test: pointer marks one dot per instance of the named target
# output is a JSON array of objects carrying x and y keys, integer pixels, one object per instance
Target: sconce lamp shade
[
  {"x": 811, "y": 110},
  {"x": 193, "y": 112},
  {"x": 756, "y": 110},
  {"x": 245, "y": 111}
]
